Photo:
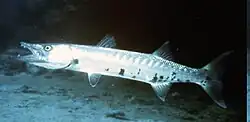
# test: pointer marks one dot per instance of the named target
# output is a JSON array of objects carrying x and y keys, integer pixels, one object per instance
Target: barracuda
[{"x": 157, "y": 69}]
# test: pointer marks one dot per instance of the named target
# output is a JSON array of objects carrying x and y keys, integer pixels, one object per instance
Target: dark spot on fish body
[
  {"x": 155, "y": 78},
  {"x": 173, "y": 73},
  {"x": 122, "y": 71},
  {"x": 173, "y": 78},
  {"x": 133, "y": 76},
  {"x": 167, "y": 77},
  {"x": 164, "y": 80},
  {"x": 75, "y": 61},
  {"x": 139, "y": 72},
  {"x": 161, "y": 77},
  {"x": 188, "y": 81},
  {"x": 107, "y": 69},
  {"x": 203, "y": 82},
  {"x": 178, "y": 80},
  {"x": 160, "y": 80}
]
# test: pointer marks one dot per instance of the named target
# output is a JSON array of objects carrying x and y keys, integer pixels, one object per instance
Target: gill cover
[
  {"x": 50, "y": 55},
  {"x": 59, "y": 54}
]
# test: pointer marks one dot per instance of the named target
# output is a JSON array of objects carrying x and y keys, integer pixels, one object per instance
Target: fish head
[{"x": 47, "y": 55}]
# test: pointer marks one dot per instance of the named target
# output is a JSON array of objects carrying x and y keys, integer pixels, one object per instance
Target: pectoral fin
[
  {"x": 94, "y": 79},
  {"x": 161, "y": 89}
]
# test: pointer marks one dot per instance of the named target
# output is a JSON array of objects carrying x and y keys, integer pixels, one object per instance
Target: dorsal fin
[
  {"x": 108, "y": 41},
  {"x": 164, "y": 51}
]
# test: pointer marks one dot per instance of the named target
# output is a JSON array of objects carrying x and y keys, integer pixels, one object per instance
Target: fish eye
[{"x": 47, "y": 48}]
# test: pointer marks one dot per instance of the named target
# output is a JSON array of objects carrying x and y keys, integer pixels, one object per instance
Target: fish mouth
[
  {"x": 38, "y": 57},
  {"x": 31, "y": 53}
]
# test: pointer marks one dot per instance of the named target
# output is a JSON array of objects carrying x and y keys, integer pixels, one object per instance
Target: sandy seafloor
[{"x": 63, "y": 96}]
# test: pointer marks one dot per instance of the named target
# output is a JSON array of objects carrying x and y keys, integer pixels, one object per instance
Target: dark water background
[{"x": 201, "y": 30}]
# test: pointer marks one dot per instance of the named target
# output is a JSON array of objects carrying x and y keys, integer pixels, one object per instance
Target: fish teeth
[{"x": 23, "y": 46}]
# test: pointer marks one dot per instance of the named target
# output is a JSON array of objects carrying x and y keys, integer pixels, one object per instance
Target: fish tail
[{"x": 213, "y": 83}]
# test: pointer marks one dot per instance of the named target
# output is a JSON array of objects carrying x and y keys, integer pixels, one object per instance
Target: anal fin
[
  {"x": 161, "y": 89},
  {"x": 94, "y": 79}
]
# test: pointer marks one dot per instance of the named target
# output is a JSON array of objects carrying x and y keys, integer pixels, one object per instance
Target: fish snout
[{"x": 24, "y": 44}]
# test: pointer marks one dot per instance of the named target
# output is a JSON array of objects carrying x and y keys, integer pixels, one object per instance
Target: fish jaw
[
  {"x": 35, "y": 55},
  {"x": 40, "y": 57}
]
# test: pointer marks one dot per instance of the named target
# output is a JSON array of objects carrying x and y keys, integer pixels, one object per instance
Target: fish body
[
  {"x": 157, "y": 69},
  {"x": 142, "y": 67}
]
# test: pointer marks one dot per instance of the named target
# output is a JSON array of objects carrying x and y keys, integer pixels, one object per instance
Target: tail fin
[
  {"x": 215, "y": 68},
  {"x": 213, "y": 85}
]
